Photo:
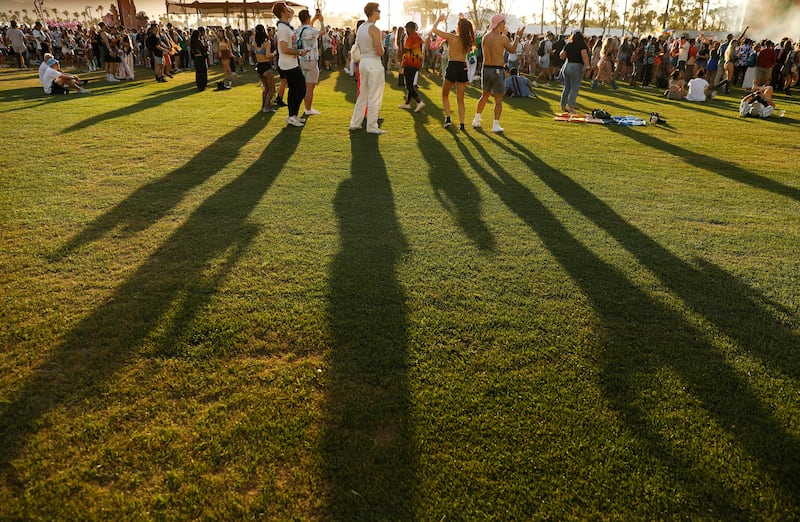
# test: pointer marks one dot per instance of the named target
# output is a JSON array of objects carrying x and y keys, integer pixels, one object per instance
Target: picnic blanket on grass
[{"x": 629, "y": 121}]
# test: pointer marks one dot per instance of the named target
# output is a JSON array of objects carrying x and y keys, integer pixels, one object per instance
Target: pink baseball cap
[{"x": 496, "y": 19}]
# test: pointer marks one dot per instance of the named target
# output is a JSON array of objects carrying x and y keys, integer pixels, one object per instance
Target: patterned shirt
[{"x": 412, "y": 51}]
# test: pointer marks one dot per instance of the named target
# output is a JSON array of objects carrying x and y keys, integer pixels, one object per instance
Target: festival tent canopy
[{"x": 241, "y": 9}]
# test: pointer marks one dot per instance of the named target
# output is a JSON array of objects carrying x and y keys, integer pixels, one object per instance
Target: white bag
[{"x": 355, "y": 53}]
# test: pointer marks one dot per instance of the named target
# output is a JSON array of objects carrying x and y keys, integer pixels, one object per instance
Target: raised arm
[{"x": 438, "y": 32}]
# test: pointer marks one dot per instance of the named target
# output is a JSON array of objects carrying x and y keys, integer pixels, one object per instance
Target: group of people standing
[{"x": 495, "y": 45}]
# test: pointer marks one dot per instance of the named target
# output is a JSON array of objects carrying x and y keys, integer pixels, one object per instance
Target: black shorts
[
  {"x": 281, "y": 73},
  {"x": 262, "y": 67},
  {"x": 57, "y": 89},
  {"x": 456, "y": 72}
]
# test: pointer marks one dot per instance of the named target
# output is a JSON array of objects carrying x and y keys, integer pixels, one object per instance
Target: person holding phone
[
  {"x": 289, "y": 55},
  {"x": 308, "y": 39}
]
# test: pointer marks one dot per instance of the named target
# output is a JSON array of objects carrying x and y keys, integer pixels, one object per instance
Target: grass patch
[{"x": 209, "y": 315}]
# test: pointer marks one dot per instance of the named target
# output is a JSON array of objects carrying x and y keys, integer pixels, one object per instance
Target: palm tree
[
  {"x": 99, "y": 12},
  {"x": 75, "y": 15}
]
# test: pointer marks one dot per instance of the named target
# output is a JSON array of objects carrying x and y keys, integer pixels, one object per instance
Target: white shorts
[{"x": 310, "y": 70}]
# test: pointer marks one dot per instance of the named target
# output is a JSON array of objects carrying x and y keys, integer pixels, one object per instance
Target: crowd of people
[{"x": 684, "y": 68}]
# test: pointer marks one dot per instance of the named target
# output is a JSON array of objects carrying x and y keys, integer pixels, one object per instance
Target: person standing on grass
[
  {"x": 543, "y": 52},
  {"x": 308, "y": 37},
  {"x": 459, "y": 45},
  {"x": 225, "y": 54},
  {"x": 18, "y": 45},
  {"x": 198, "y": 47},
  {"x": 372, "y": 78},
  {"x": 262, "y": 48},
  {"x": 493, "y": 74},
  {"x": 411, "y": 61},
  {"x": 648, "y": 60},
  {"x": 576, "y": 54},
  {"x": 289, "y": 64},
  {"x": 153, "y": 44}
]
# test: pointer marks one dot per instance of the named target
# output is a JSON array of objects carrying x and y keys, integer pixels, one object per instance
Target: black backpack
[{"x": 541, "y": 50}]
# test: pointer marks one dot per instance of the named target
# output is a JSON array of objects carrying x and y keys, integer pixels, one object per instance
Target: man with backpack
[{"x": 543, "y": 52}]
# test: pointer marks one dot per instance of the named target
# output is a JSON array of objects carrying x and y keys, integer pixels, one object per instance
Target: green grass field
[{"x": 208, "y": 315}]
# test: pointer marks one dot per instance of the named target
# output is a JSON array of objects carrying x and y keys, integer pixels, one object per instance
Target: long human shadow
[
  {"x": 711, "y": 292},
  {"x": 718, "y": 166},
  {"x": 346, "y": 84},
  {"x": 643, "y": 335},
  {"x": 146, "y": 102},
  {"x": 368, "y": 442},
  {"x": 453, "y": 189},
  {"x": 154, "y": 200},
  {"x": 155, "y": 305}
]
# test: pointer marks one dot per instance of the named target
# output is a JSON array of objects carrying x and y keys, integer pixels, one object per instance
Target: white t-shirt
[
  {"x": 48, "y": 76},
  {"x": 697, "y": 89},
  {"x": 285, "y": 33},
  {"x": 42, "y": 68},
  {"x": 40, "y": 38},
  {"x": 17, "y": 38},
  {"x": 310, "y": 40},
  {"x": 683, "y": 52}
]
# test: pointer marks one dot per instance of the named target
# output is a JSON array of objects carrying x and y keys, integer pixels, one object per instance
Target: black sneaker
[
  {"x": 279, "y": 103},
  {"x": 447, "y": 122}
]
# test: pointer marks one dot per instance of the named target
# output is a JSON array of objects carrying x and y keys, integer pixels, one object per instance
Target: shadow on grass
[
  {"x": 147, "y": 102},
  {"x": 368, "y": 443},
  {"x": 452, "y": 188},
  {"x": 347, "y": 85},
  {"x": 152, "y": 201},
  {"x": 718, "y": 166},
  {"x": 643, "y": 337},
  {"x": 153, "y": 307}
]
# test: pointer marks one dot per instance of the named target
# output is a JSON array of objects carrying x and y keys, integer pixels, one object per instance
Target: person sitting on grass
[
  {"x": 699, "y": 88},
  {"x": 519, "y": 86},
  {"x": 676, "y": 89},
  {"x": 56, "y": 82}
]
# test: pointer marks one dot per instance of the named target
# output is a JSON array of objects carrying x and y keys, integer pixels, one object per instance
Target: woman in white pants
[{"x": 373, "y": 78}]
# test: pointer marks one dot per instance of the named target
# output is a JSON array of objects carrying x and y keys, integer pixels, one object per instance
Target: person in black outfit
[
  {"x": 199, "y": 49},
  {"x": 153, "y": 43}
]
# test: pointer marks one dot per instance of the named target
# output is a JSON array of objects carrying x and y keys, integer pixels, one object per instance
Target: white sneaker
[
  {"x": 496, "y": 127},
  {"x": 84, "y": 91},
  {"x": 294, "y": 121},
  {"x": 476, "y": 121},
  {"x": 404, "y": 106},
  {"x": 312, "y": 112},
  {"x": 534, "y": 84},
  {"x": 376, "y": 131},
  {"x": 111, "y": 78},
  {"x": 420, "y": 106}
]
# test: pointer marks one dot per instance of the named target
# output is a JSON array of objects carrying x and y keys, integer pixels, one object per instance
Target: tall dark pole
[
  {"x": 624, "y": 18},
  {"x": 583, "y": 22},
  {"x": 666, "y": 17},
  {"x": 542, "y": 31}
]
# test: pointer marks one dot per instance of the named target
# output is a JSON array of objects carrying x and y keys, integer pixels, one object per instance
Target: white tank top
[{"x": 365, "y": 42}]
